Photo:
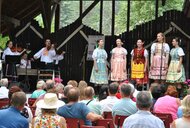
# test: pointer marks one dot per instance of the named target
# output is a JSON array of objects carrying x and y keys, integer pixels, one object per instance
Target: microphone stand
[{"x": 82, "y": 62}]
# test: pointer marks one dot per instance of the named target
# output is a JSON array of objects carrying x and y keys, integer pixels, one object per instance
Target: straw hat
[{"x": 50, "y": 101}]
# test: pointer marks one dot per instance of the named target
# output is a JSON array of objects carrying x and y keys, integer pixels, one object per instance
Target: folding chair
[
  {"x": 107, "y": 115},
  {"x": 33, "y": 109},
  {"x": 165, "y": 117},
  {"x": 107, "y": 123},
  {"x": 31, "y": 101},
  {"x": 4, "y": 102},
  {"x": 118, "y": 120},
  {"x": 84, "y": 126},
  {"x": 74, "y": 122}
]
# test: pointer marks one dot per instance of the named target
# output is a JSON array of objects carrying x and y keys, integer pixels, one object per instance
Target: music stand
[{"x": 12, "y": 60}]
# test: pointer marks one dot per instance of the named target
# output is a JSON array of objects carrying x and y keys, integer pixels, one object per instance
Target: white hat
[{"x": 50, "y": 101}]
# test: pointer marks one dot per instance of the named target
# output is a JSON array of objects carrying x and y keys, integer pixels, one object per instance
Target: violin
[{"x": 17, "y": 48}]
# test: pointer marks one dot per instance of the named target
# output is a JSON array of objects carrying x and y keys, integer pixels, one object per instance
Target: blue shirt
[
  {"x": 179, "y": 112},
  {"x": 143, "y": 119},
  {"x": 76, "y": 110},
  {"x": 124, "y": 106},
  {"x": 11, "y": 118}
]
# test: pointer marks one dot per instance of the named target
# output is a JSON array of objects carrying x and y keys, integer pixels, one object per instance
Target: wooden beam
[
  {"x": 101, "y": 16},
  {"x": 80, "y": 7},
  {"x": 29, "y": 6},
  {"x": 128, "y": 14},
  {"x": 31, "y": 12},
  {"x": 53, "y": 11},
  {"x": 57, "y": 18},
  {"x": 12, "y": 20},
  {"x": 46, "y": 15},
  {"x": 113, "y": 18},
  {"x": 1, "y": 1},
  {"x": 87, "y": 10}
]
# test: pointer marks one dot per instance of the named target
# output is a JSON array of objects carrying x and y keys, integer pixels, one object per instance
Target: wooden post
[
  {"x": 46, "y": 15},
  {"x": 80, "y": 8},
  {"x": 156, "y": 15},
  {"x": 1, "y": 1},
  {"x": 113, "y": 18},
  {"x": 128, "y": 15},
  {"x": 57, "y": 18},
  {"x": 101, "y": 16}
]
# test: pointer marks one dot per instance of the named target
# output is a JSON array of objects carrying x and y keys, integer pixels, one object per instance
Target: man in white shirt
[
  {"x": 108, "y": 103},
  {"x": 143, "y": 118},
  {"x": 3, "y": 89},
  {"x": 46, "y": 55}
]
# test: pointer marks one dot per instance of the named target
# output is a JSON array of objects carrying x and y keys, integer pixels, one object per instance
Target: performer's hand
[
  {"x": 35, "y": 58},
  {"x": 178, "y": 70},
  {"x": 124, "y": 70},
  {"x": 144, "y": 70},
  {"x": 63, "y": 52}
]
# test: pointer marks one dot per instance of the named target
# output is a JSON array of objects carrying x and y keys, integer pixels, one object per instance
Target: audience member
[
  {"x": 65, "y": 91},
  {"x": 40, "y": 89},
  {"x": 155, "y": 92},
  {"x": 74, "y": 109},
  {"x": 107, "y": 104},
  {"x": 168, "y": 103},
  {"x": 49, "y": 118},
  {"x": 11, "y": 117},
  {"x": 92, "y": 104},
  {"x": 82, "y": 86},
  {"x": 183, "y": 122},
  {"x": 3, "y": 89},
  {"x": 130, "y": 106},
  {"x": 143, "y": 118},
  {"x": 26, "y": 111},
  {"x": 59, "y": 89},
  {"x": 73, "y": 83}
]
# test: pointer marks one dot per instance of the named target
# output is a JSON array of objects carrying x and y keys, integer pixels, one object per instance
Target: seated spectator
[
  {"x": 92, "y": 104},
  {"x": 82, "y": 86},
  {"x": 168, "y": 103},
  {"x": 26, "y": 111},
  {"x": 59, "y": 88},
  {"x": 156, "y": 92},
  {"x": 74, "y": 109},
  {"x": 73, "y": 83},
  {"x": 107, "y": 104},
  {"x": 125, "y": 106},
  {"x": 183, "y": 122},
  {"x": 40, "y": 89},
  {"x": 3, "y": 89},
  {"x": 49, "y": 118},
  {"x": 65, "y": 91},
  {"x": 143, "y": 118},
  {"x": 11, "y": 117}
]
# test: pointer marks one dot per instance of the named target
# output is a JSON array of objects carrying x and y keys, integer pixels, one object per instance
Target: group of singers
[
  {"x": 158, "y": 70},
  {"x": 48, "y": 55}
]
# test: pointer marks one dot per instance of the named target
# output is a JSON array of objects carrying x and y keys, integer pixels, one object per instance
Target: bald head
[
  {"x": 89, "y": 92},
  {"x": 73, "y": 94}
]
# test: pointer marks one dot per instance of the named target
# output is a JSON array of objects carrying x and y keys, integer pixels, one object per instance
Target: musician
[
  {"x": 46, "y": 55},
  {"x": 25, "y": 62},
  {"x": 59, "y": 56},
  {"x": 8, "y": 50}
]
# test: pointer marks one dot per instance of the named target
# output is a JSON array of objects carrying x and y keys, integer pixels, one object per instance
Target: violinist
[
  {"x": 8, "y": 50},
  {"x": 46, "y": 55}
]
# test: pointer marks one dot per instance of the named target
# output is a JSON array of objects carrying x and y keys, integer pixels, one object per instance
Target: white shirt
[
  {"x": 57, "y": 58},
  {"x": 108, "y": 103},
  {"x": 45, "y": 58},
  {"x": 8, "y": 51},
  {"x": 4, "y": 92},
  {"x": 23, "y": 64}
]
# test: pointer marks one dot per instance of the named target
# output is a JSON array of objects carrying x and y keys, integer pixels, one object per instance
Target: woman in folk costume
[
  {"x": 139, "y": 63},
  {"x": 118, "y": 62},
  {"x": 176, "y": 72},
  {"x": 159, "y": 59},
  {"x": 99, "y": 73}
]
